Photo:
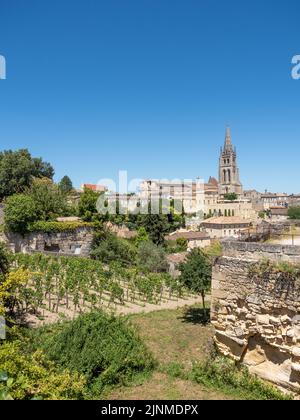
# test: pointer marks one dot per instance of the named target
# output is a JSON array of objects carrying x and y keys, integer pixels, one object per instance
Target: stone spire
[
  {"x": 229, "y": 178},
  {"x": 228, "y": 143}
]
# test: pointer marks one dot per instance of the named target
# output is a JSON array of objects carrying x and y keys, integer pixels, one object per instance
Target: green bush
[
  {"x": 32, "y": 376},
  {"x": 294, "y": 213},
  {"x": 104, "y": 348},
  {"x": 107, "y": 248}
]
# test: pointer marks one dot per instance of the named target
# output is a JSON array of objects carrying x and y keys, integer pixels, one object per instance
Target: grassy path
[{"x": 176, "y": 338}]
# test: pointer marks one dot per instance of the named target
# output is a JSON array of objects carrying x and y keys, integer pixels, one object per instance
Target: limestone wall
[
  {"x": 257, "y": 321},
  {"x": 75, "y": 242}
]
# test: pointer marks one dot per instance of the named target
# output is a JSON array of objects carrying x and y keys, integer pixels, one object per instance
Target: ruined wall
[
  {"x": 78, "y": 241},
  {"x": 257, "y": 320}
]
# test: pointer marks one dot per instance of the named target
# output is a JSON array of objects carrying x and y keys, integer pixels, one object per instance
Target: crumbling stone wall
[
  {"x": 257, "y": 321},
  {"x": 75, "y": 242}
]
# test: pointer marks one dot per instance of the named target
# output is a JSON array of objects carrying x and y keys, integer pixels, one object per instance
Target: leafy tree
[
  {"x": 49, "y": 200},
  {"x": 66, "y": 185},
  {"x": 42, "y": 169},
  {"x": 196, "y": 273},
  {"x": 19, "y": 212},
  {"x": 87, "y": 205},
  {"x": 152, "y": 257},
  {"x": 18, "y": 169},
  {"x": 294, "y": 213},
  {"x": 156, "y": 225},
  {"x": 230, "y": 196}
]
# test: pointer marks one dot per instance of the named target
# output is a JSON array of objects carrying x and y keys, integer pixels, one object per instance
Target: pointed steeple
[{"x": 228, "y": 144}]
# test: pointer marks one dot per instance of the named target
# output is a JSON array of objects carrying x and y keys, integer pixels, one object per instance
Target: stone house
[
  {"x": 194, "y": 239},
  {"x": 278, "y": 213},
  {"x": 225, "y": 227}
]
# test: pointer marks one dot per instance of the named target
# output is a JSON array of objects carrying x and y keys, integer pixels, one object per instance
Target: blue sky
[{"x": 148, "y": 86}]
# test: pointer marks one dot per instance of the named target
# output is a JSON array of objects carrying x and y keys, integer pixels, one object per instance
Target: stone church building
[{"x": 229, "y": 175}]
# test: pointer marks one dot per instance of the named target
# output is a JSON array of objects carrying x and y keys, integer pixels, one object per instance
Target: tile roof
[
  {"x": 189, "y": 235},
  {"x": 233, "y": 220}
]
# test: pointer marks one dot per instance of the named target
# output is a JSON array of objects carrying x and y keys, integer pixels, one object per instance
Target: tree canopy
[
  {"x": 230, "y": 196},
  {"x": 196, "y": 273},
  {"x": 66, "y": 185},
  {"x": 18, "y": 169}
]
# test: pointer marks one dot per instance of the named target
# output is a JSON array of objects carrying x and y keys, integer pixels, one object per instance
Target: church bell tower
[{"x": 229, "y": 176}]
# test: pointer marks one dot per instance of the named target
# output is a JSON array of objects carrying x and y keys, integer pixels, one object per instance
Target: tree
[
  {"x": 66, "y": 185},
  {"x": 156, "y": 225},
  {"x": 142, "y": 236},
  {"x": 18, "y": 169},
  {"x": 152, "y": 257},
  {"x": 19, "y": 212},
  {"x": 294, "y": 213},
  {"x": 87, "y": 205},
  {"x": 230, "y": 196},
  {"x": 42, "y": 169},
  {"x": 196, "y": 273},
  {"x": 50, "y": 202}
]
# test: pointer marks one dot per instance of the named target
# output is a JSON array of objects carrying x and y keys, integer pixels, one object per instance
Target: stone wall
[
  {"x": 75, "y": 242},
  {"x": 257, "y": 321}
]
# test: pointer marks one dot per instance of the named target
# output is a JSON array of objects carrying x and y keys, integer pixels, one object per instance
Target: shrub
[
  {"x": 107, "y": 247},
  {"x": 102, "y": 347},
  {"x": 182, "y": 243},
  {"x": 32, "y": 376},
  {"x": 294, "y": 213}
]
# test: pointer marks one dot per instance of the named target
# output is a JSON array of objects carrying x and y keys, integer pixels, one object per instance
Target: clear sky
[{"x": 148, "y": 86}]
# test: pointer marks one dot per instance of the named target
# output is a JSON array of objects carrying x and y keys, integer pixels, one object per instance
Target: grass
[{"x": 182, "y": 344}]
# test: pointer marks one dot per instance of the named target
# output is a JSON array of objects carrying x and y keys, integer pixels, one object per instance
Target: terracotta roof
[
  {"x": 279, "y": 211},
  {"x": 213, "y": 181},
  {"x": 190, "y": 236},
  {"x": 233, "y": 220},
  {"x": 94, "y": 187},
  {"x": 177, "y": 258}
]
